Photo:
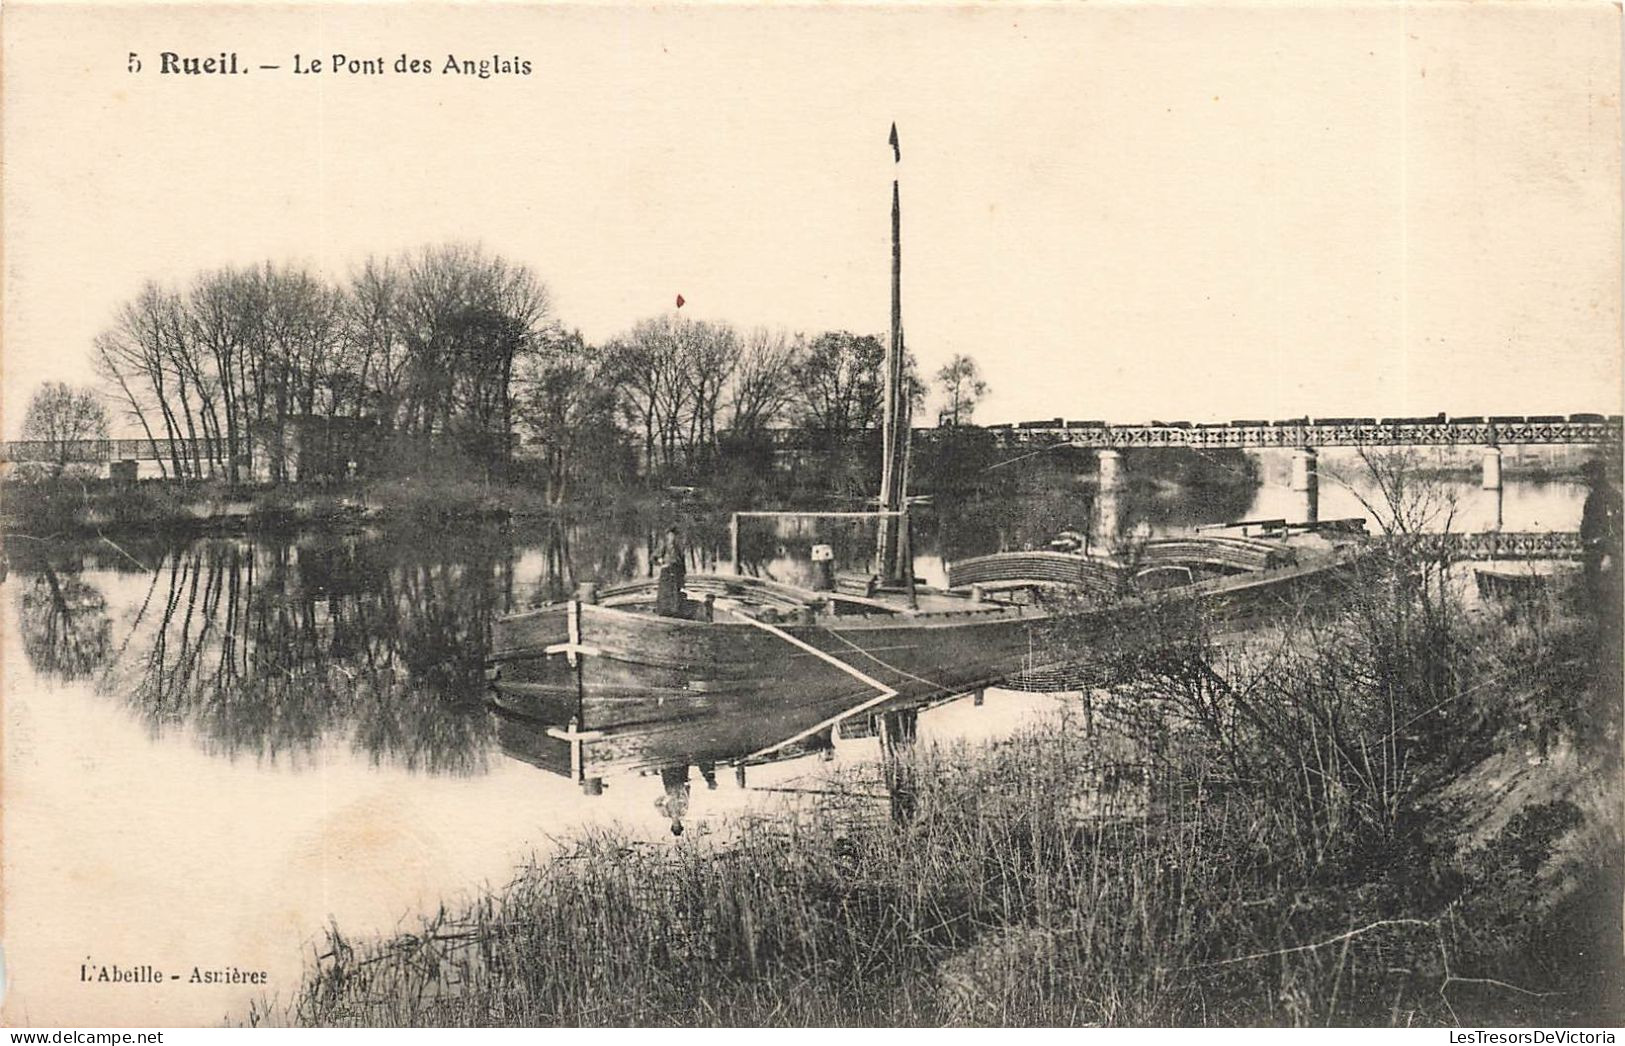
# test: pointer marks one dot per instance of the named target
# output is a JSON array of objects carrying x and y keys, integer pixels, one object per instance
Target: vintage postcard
[{"x": 738, "y": 514}]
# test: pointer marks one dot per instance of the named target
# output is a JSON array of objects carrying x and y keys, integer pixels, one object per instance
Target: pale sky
[{"x": 1120, "y": 212}]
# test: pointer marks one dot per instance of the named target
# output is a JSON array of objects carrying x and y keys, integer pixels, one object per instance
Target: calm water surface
[{"x": 214, "y": 747}]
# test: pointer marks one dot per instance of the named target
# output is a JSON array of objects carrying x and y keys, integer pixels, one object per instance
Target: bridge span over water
[{"x": 1437, "y": 431}]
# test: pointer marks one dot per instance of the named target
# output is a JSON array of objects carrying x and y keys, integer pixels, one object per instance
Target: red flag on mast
[{"x": 679, "y": 301}]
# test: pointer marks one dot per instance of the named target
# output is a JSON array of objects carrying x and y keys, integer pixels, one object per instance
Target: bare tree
[
  {"x": 568, "y": 405},
  {"x": 424, "y": 344},
  {"x": 136, "y": 348},
  {"x": 764, "y": 381},
  {"x": 117, "y": 361},
  {"x": 962, "y": 389},
  {"x": 710, "y": 358},
  {"x": 646, "y": 366},
  {"x": 218, "y": 321},
  {"x": 64, "y": 417},
  {"x": 465, "y": 317},
  {"x": 840, "y": 381},
  {"x": 673, "y": 374},
  {"x": 378, "y": 354}
]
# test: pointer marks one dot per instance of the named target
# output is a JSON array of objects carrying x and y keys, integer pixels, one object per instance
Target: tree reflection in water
[
  {"x": 65, "y": 629},
  {"x": 274, "y": 649}
]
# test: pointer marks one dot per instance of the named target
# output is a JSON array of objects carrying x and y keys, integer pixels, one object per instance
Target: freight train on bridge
[{"x": 1436, "y": 430}]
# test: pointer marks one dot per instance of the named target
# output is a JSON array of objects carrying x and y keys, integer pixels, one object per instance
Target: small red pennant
[{"x": 679, "y": 301}]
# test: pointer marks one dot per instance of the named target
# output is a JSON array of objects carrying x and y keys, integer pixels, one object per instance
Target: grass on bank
[{"x": 1374, "y": 881}]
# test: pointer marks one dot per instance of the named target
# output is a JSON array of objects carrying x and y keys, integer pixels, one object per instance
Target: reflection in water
[
  {"x": 65, "y": 629},
  {"x": 343, "y": 652},
  {"x": 1030, "y": 511},
  {"x": 674, "y": 804},
  {"x": 276, "y": 648}
]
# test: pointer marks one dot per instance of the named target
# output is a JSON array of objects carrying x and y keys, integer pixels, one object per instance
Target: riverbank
[
  {"x": 1299, "y": 859},
  {"x": 68, "y": 507},
  {"x": 72, "y": 504}
]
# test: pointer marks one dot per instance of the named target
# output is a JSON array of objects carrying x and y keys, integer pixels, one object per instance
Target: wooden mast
[{"x": 891, "y": 551}]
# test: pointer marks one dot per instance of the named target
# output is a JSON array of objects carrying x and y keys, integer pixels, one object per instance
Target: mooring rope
[
  {"x": 886, "y": 693},
  {"x": 884, "y": 664}
]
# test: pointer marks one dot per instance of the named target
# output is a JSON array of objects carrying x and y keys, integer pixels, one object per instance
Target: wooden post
[
  {"x": 578, "y": 663},
  {"x": 733, "y": 541},
  {"x": 573, "y": 624},
  {"x": 906, "y": 561},
  {"x": 903, "y": 725}
]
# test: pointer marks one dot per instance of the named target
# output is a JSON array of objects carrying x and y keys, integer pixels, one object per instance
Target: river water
[{"x": 215, "y": 747}]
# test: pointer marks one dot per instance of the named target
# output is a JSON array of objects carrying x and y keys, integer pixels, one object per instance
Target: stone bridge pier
[
  {"x": 1306, "y": 481},
  {"x": 1108, "y": 500},
  {"x": 1492, "y": 468}
]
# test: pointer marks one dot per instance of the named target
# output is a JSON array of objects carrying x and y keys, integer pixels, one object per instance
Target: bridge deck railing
[
  {"x": 100, "y": 451},
  {"x": 1356, "y": 434},
  {"x": 1441, "y": 434}
]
